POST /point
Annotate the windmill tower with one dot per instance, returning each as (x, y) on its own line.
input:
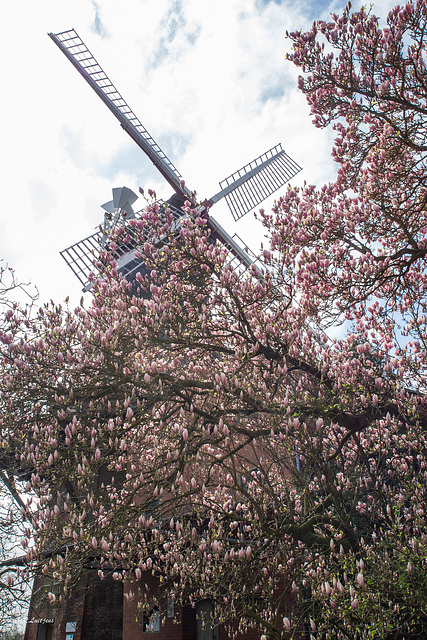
(103, 616)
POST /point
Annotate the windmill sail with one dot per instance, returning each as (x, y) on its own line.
(79, 55)
(252, 184)
(82, 256)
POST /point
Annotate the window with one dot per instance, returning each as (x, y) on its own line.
(50, 585)
(171, 607)
(151, 620)
(206, 625)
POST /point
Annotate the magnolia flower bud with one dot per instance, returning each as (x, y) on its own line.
(287, 624)
(360, 580)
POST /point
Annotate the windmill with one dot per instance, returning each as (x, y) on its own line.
(103, 612)
(243, 190)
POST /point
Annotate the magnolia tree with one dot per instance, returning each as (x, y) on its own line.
(198, 424)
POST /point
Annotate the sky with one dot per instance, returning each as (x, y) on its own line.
(207, 78)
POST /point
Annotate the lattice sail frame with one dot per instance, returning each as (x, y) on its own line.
(73, 47)
(82, 256)
(255, 182)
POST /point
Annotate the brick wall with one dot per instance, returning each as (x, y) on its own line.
(96, 605)
(41, 612)
(108, 610)
(181, 627)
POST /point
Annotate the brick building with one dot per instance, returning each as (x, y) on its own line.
(101, 610)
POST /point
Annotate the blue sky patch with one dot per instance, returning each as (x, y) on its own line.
(273, 92)
(97, 25)
(313, 9)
